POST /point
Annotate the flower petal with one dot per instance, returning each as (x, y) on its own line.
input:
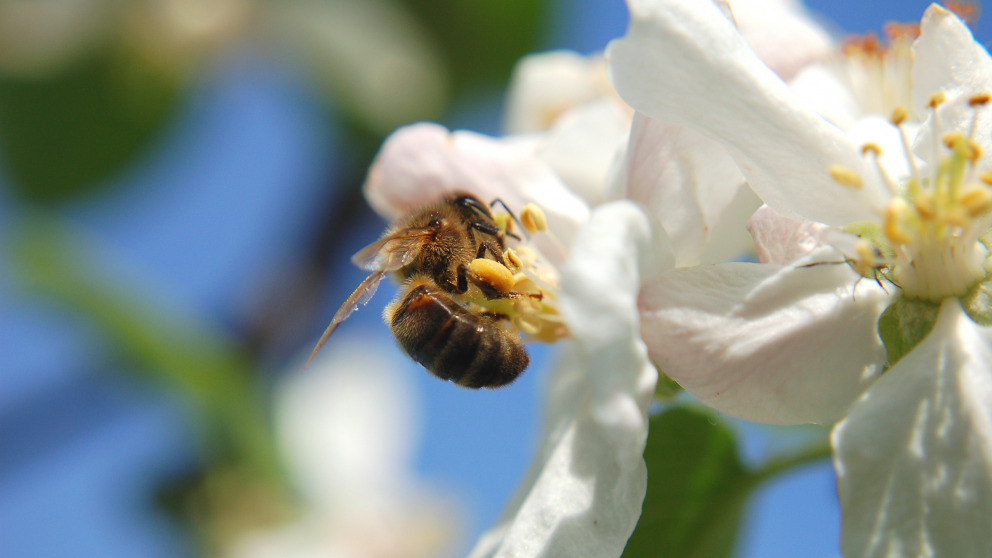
(767, 343)
(583, 145)
(685, 63)
(545, 85)
(782, 34)
(421, 163)
(347, 426)
(948, 59)
(687, 181)
(914, 456)
(583, 495)
(781, 240)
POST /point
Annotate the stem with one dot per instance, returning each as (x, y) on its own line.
(777, 465)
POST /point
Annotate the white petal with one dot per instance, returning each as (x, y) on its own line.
(819, 87)
(782, 34)
(764, 342)
(584, 143)
(947, 59)
(545, 85)
(687, 181)
(685, 63)
(914, 457)
(421, 163)
(583, 495)
(347, 426)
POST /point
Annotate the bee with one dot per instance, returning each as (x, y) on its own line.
(430, 251)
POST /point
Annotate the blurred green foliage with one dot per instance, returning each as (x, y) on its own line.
(171, 346)
(63, 136)
(65, 132)
(698, 487)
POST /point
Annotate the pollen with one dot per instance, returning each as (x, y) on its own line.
(492, 273)
(527, 284)
(513, 261)
(933, 225)
(533, 219)
(846, 176)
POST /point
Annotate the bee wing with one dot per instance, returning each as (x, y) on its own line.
(392, 252)
(359, 297)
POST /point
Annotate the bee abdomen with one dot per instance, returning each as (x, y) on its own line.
(455, 344)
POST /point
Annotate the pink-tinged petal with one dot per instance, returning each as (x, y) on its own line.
(687, 181)
(780, 240)
(421, 163)
(947, 59)
(914, 456)
(583, 494)
(685, 63)
(764, 342)
(782, 34)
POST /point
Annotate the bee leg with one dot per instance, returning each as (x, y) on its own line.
(465, 275)
(493, 249)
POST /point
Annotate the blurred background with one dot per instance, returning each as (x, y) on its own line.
(179, 197)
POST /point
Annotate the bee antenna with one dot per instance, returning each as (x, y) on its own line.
(510, 213)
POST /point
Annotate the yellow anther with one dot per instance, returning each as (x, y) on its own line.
(504, 222)
(951, 139)
(979, 99)
(976, 201)
(895, 220)
(872, 149)
(533, 219)
(957, 217)
(899, 115)
(845, 176)
(512, 260)
(492, 273)
(925, 205)
(986, 177)
(936, 99)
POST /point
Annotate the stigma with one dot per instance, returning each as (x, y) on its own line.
(936, 224)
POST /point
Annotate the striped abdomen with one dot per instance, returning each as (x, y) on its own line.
(455, 344)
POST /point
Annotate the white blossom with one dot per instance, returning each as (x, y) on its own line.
(583, 493)
(795, 338)
(347, 430)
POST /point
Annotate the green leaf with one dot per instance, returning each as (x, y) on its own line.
(978, 303)
(667, 389)
(62, 136)
(170, 345)
(904, 324)
(482, 40)
(697, 488)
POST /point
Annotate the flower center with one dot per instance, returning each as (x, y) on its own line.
(932, 243)
(527, 283)
(879, 72)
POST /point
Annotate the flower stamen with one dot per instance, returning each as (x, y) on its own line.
(931, 228)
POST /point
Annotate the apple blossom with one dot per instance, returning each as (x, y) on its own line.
(346, 429)
(800, 337)
(583, 493)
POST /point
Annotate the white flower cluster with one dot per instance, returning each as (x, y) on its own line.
(870, 302)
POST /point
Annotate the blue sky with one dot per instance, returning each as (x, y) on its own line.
(224, 199)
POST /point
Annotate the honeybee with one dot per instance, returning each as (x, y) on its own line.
(430, 252)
